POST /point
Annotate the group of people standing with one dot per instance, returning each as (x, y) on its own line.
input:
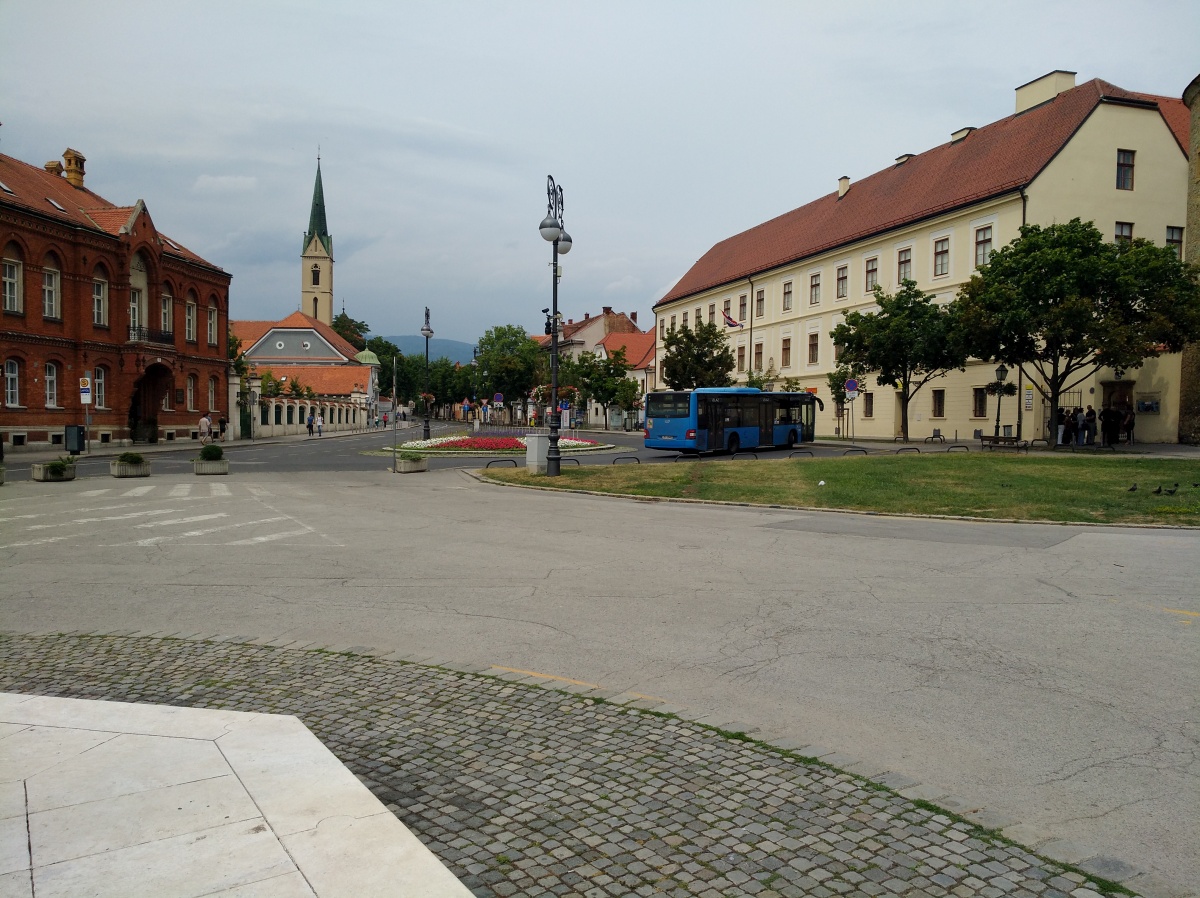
(1079, 427)
(210, 432)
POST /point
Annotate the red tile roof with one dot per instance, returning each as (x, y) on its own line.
(990, 161)
(639, 348)
(250, 332)
(33, 188)
(326, 380)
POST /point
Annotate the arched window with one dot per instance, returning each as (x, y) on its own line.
(316, 275)
(51, 385)
(10, 279)
(212, 394)
(314, 307)
(291, 412)
(191, 392)
(12, 383)
(100, 387)
(51, 289)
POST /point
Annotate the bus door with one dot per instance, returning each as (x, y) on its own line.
(766, 420)
(808, 418)
(716, 423)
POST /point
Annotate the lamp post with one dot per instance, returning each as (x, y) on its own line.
(1001, 376)
(426, 332)
(553, 231)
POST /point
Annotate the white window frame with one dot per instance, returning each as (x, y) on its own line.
(100, 387)
(166, 313)
(189, 323)
(135, 308)
(12, 383)
(191, 393)
(10, 276)
(52, 385)
(100, 302)
(212, 394)
(51, 294)
(787, 296)
(212, 325)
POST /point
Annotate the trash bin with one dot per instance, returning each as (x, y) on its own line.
(73, 438)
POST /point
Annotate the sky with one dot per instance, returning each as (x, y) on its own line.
(670, 126)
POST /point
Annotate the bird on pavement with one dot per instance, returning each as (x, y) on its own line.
(1171, 491)
(1132, 489)
(1157, 490)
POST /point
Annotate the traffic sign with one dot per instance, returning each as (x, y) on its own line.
(85, 390)
(851, 395)
(851, 385)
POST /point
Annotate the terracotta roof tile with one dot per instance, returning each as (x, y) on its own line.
(1176, 115)
(990, 161)
(639, 347)
(250, 332)
(326, 380)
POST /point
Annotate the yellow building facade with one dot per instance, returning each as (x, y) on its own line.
(1094, 152)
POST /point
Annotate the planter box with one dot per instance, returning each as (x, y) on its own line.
(413, 467)
(43, 473)
(220, 466)
(123, 469)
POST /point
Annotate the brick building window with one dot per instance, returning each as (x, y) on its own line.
(904, 265)
(787, 296)
(843, 281)
(189, 323)
(871, 275)
(939, 404)
(212, 394)
(814, 289)
(100, 302)
(785, 353)
(979, 402)
(191, 392)
(814, 348)
(51, 385)
(1124, 231)
(941, 257)
(12, 383)
(983, 245)
(868, 405)
(100, 387)
(1175, 241)
(167, 312)
(1124, 169)
(10, 283)
(212, 325)
(741, 358)
(51, 293)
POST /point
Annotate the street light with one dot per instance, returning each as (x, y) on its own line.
(475, 382)
(426, 332)
(1001, 376)
(553, 231)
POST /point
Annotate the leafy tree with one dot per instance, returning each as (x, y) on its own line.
(629, 396)
(241, 366)
(908, 342)
(387, 351)
(511, 359)
(698, 356)
(837, 382)
(601, 376)
(1065, 303)
(353, 332)
(296, 388)
(758, 379)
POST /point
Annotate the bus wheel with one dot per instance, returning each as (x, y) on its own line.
(791, 440)
(734, 444)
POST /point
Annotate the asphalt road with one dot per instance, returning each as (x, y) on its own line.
(1047, 673)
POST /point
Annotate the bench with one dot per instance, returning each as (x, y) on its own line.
(994, 442)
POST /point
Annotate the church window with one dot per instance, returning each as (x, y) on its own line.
(316, 275)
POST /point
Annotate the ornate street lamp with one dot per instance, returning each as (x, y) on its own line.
(553, 231)
(1001, 376)
(426, 332)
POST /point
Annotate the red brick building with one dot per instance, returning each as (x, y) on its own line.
(92, 289)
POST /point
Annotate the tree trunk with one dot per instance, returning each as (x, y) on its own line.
(904, 400)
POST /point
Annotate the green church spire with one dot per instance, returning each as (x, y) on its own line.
(316, 218)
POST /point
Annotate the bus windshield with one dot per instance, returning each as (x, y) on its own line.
(668, 405)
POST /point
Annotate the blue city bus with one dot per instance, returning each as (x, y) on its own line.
(726, 419)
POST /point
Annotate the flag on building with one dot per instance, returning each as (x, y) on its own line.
(729, 322)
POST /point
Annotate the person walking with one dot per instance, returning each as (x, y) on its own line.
(205, 429)
(320, 424)
(1127, 423)
(310, 422)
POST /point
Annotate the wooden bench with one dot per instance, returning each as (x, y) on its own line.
(993, 442)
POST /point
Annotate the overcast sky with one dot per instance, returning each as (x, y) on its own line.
(670, 126)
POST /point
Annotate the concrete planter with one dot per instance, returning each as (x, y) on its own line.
(45, 474)
(220, 466)
(122, 469)
(413, 467)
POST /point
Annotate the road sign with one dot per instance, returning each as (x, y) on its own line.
(85, 390)
(851, 385)
(851, 395)
(498, 399)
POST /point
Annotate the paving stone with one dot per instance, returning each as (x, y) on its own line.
(528, 790)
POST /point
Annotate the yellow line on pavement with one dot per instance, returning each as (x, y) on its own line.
(545, 676)
(1177, 611)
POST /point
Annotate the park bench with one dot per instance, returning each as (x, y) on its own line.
(993, 442)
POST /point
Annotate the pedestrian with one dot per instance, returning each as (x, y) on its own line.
(1061, 422)
(403, 415)
(1068, 427)
(205, 428)
(310, 422)
(320, 424)
(1080, 426)
(1090, 419)
(1110, 426)
(1127, 423)
(385, 414)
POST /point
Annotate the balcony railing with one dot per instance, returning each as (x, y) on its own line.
(149, 335)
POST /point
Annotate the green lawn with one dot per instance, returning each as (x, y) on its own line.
(1036, 487)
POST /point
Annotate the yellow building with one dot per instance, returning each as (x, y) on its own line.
(1095, 152)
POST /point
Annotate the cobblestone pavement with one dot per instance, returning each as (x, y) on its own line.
(523, 790)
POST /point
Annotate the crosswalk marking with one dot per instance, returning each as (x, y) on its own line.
(34, 542)
(180, 490)
(194, 518)
(137, 491)
(191, 534)
(219, 490)
(96, 492)
(111, 517)
(270, 537)
(258, 492)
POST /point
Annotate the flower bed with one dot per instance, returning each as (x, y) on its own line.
(490, 444)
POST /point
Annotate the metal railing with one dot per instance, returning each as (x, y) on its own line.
(149, 335)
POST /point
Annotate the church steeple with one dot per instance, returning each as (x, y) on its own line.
(316, 260)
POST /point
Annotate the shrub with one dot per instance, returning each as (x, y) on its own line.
(211, 452)
(131, 458)
(411, 456)
(59, 466)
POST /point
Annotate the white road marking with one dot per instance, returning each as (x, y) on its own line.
(113, 517)
(34, 542)
(258, 492)
(271, 537)
(23, 517)
(180, 490)
(199, 517)
(155, 540)
(96, 492)
(137, 491)
(220, 489)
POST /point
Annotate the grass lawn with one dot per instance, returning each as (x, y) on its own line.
(1037, 487)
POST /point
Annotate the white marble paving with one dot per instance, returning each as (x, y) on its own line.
(119, 799)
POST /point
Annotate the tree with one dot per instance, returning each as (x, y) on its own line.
(510, 359)
(1065, 303)
(353, 332)
(628, 397)
(908, 342)
(697, 357)
(601, 377)
(388, 354)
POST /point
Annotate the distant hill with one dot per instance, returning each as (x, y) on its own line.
(454, 350)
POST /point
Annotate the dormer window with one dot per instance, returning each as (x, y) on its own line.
(316, 275)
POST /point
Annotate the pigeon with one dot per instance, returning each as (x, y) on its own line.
(1157, 490)
(1171, 491)
(1132, 489)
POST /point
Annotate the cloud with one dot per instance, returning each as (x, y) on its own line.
(224, 184)
(626, 284)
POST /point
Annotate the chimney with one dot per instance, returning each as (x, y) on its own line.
(54, 167)
(843, 185)
(608, 310)
(633, 317)
(1040, 90)
(903, 157)
(570, 321)
(587, 315)
(74, 160)
(961, 133)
